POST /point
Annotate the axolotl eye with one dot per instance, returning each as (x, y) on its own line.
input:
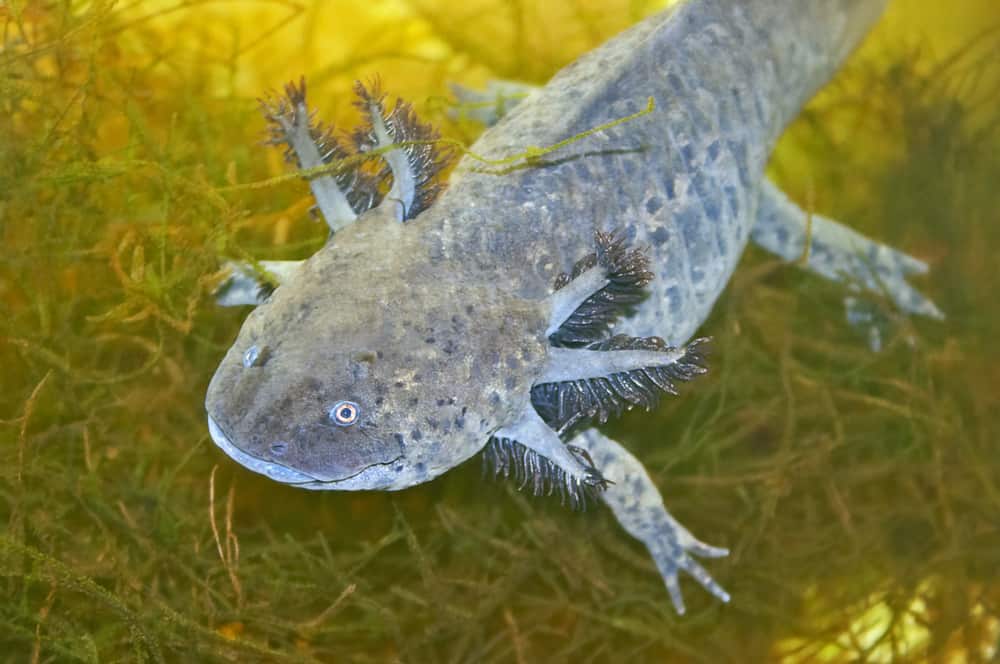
(345, 413)
(255, 356)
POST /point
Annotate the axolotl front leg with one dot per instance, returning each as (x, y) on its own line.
(589, 375)
(638, 506)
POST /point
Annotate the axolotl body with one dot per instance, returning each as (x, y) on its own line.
(515, 310)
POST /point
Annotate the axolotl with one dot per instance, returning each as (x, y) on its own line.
(509, 312)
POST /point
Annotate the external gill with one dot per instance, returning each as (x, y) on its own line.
(591, 375)
(593, 294)
(368, 160)
(606, 378)
(588, 375)
(536, 456)
(341, 197)
(587, 379)
(415, 164)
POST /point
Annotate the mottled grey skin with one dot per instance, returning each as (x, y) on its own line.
(727, 77)
(367, 322)
(437, 327)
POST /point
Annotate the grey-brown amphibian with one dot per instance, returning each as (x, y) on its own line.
(511, 312)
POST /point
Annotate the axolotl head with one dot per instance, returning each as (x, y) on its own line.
(364, 372)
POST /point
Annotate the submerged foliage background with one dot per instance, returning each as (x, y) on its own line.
(859, 491)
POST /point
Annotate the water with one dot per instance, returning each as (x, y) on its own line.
(859, 491)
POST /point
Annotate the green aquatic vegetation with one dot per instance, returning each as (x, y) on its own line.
(859, 492)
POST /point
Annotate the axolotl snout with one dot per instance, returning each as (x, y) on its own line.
(512, 311)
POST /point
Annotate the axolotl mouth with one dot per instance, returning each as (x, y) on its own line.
(375, 476)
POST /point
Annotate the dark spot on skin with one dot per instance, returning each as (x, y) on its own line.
(379, 401)
(399, 439)
(449, 347)
(417, 378)
(732, 196)
(674, 301)
(739, 152)
(378, 354)
(653, 204)
(495, 398)
(465, 409)
(709, 199)
(687, 151)
(366, 356)
(419, 467)
(459, 422)
(399, 383)
(414, 401)
(430, 340)
(469, 309)
(277, 449)
(713, 150)
(432, 423)
(440, 402)
(675, 82)
(668, 187)
(660, 236)
(451, 401)
(416, 434)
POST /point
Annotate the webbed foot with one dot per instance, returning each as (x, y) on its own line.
(246, 285)
(837, 252)
(638, 506)
(589, 374)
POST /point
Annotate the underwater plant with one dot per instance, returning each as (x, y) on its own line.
(856, 491)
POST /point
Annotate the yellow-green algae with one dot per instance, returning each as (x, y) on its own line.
(859, 492)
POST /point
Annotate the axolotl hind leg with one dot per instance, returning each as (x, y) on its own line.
(837, 252)
(391, 146)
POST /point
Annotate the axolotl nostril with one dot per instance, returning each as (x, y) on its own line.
(510, 312)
